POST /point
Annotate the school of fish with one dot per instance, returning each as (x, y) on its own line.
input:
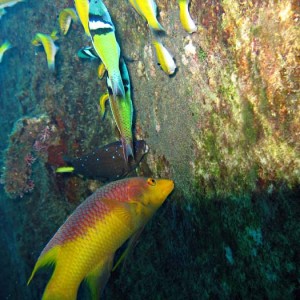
(84, 247)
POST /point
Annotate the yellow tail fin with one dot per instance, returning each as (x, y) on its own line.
(47, 259)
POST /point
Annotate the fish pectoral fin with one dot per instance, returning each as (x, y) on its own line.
(102, 102)
(98, 277)
(49, 258)
(54, 35)
(123, 212)
(130, 246)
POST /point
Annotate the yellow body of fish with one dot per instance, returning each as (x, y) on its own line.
(84, 246)
(185, 18)
(50, 48)
(8, 3)
(148, 10)
(65, 17)
(82, 8)
(165, 60)
(3, 48)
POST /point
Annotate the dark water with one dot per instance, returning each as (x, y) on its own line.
(242, 246)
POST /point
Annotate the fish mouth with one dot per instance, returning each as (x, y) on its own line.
(167, 186)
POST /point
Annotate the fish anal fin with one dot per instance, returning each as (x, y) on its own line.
(98, 277)
(130, 245)
(47, 259)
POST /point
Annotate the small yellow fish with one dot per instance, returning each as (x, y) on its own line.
(185, 18)
(65, 18)
(101, 70)
(148, 10)
(8, 3)
(84, 246)
(82, 8)
(50, 48)
(3, 48)
(165, 60)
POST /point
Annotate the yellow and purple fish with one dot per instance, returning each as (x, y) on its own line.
(148, 10)
(84, 246)
(105, 163)
(185, 17)
(8, 3)
(66, 16)
(3, 48)
(50, 48)
(105, 43)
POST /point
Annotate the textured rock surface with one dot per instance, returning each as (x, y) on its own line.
(226, 128)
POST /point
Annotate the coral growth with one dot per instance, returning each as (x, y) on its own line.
(28, 142)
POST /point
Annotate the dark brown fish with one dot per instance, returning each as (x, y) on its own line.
(106, 163)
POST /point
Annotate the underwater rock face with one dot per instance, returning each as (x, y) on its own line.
(227, 125)
(229, 120)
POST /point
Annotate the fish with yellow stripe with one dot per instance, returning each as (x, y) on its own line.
(187, 22)
(66, 16)
(105, 44)
(122, 110)
(49, 46)
(84, 246)
(82, 8)
(164, 58)
(3, 48)
(148, 10)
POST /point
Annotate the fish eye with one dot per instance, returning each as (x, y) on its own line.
(151, 181)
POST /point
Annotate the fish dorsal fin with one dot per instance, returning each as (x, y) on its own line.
(47, 259)
(131, 244)
(98, 277)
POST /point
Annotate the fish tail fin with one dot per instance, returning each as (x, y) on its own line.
(98, 277)
(66, 169)
(51, 66)
(7, 45)
(117, 86)
(51, 63)
(127, 149)
(46, 259)
(156, 26)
